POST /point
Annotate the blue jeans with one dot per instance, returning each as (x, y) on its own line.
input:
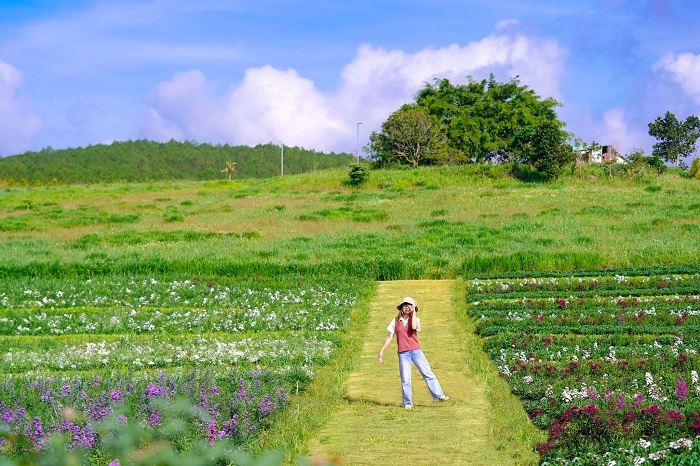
(418, 358)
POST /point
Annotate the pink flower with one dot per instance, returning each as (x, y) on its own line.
(681, 389)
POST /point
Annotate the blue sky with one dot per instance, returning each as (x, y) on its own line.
(305, 72)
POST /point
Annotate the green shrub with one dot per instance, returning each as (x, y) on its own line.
(359, 174)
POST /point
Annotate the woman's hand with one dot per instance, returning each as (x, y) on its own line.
(379, 358)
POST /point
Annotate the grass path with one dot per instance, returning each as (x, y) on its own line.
(372, 428)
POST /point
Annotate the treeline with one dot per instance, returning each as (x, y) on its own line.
(144, 160)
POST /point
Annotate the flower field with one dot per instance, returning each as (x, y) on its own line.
(608, 365)
(75, 351)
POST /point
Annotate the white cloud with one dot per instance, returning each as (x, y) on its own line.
(270, 105)
(615, 130)
(18, 125)
(506, 23)
(684, 69)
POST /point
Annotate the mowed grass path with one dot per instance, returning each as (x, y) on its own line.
(372, 428)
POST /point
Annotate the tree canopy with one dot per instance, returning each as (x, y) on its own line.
(676, 138)
(479, 121)
(409, 135)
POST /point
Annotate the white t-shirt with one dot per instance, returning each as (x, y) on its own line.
(392, 325)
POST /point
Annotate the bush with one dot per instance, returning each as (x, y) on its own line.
(358, 174)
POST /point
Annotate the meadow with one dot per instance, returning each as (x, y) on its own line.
(241, 295)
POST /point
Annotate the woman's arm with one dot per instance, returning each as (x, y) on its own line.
(386, 343)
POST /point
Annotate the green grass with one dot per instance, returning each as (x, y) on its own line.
(426, 223)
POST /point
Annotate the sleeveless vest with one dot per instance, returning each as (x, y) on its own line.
(406, 337)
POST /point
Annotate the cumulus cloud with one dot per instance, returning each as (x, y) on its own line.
(271, 105)
(684, 69)
(18, 125)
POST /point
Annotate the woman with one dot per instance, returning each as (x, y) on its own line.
(406, 326)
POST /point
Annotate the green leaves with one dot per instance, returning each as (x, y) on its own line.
(676, 138)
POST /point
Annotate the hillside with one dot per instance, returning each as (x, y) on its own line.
(144, 160)
(434, 222)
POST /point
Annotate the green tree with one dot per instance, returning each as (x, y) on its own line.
(487, 119)
(408, 136)
(676, 138)
(695, 168)
(549, 152)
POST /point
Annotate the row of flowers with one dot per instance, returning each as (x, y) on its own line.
(648, 316)
(576, 284)
(235, 407)
(585, 303)
(31, 354)
(599, 372)
(135, 293)
(512, 349)
(167, 320)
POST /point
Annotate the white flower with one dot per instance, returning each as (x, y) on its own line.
(681, 443)
(644, 443)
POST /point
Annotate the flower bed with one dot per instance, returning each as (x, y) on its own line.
(608, 365)
(73, 352)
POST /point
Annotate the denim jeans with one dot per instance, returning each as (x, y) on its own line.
(418, 358)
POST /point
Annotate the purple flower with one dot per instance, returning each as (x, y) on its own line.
(9, 416)
(115, 394)
(620, 403)
(213, 434)
(154, 419)
(154, 391)
(681, 389)
(638, 401)
(123, 419)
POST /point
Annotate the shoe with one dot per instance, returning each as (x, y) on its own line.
(408, 406)
(443, 398)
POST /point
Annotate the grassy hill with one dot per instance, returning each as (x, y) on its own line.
(404, 224)
(144, 160)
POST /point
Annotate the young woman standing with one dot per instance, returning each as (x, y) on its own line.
(406, 326)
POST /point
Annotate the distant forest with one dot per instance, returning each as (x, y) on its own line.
(144, 160)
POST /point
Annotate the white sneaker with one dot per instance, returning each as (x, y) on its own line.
(408, 406)
(443, 398)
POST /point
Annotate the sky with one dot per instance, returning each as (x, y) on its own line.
(306, 72)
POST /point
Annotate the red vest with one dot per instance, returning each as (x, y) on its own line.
(406, 337)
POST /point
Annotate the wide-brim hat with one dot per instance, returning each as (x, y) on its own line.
(406, 300)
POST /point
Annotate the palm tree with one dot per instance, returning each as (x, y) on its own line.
(230, 169)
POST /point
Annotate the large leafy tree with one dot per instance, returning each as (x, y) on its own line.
(485, 118)
(409, 136)
(676, 138)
